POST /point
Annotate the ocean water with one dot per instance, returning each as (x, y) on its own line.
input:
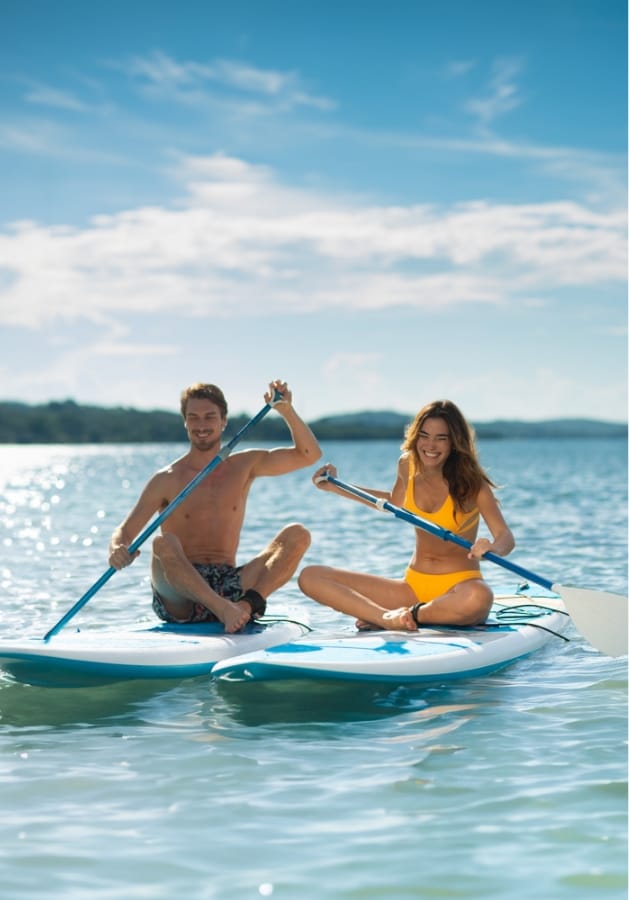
(508, 786)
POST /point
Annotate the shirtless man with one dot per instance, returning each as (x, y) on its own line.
(193, 568)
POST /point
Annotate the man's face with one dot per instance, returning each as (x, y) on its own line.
(204, 423)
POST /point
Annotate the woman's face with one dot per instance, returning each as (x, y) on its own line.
(434, 443)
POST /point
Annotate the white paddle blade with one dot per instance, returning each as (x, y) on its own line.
(599, 616)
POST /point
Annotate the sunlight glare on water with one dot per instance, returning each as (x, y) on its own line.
(507, 786)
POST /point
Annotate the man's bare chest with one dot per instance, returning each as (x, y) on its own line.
(218, 492)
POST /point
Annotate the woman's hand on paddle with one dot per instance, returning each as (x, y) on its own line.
(479, 548)
(319, 480)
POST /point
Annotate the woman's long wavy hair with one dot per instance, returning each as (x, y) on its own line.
(462, 469)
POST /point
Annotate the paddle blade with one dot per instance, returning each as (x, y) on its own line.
(599, 616)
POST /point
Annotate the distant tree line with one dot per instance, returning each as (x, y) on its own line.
(67, 422)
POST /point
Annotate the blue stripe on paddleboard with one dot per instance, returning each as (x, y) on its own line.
(382, 642)
(261, 671)
(396, 657)
(359, 645)
(56, 672)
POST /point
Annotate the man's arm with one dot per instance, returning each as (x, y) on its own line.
(147, 505)
(305, 450)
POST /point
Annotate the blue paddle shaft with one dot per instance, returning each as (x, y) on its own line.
(154, 525)
(443, 533)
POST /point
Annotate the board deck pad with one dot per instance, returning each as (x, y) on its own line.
(161, 651)
(517, 626)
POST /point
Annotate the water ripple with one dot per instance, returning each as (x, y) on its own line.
(486, 788)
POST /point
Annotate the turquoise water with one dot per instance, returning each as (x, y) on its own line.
(509, 786)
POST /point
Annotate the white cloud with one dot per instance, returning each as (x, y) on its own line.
(354, 365)
(503, 93)
(32, 137)
(44, 95)
(537, 392)
(457, 68)
(161, 75)
(238, 238)
(52, 141)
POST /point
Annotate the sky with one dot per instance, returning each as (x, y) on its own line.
(382, 203)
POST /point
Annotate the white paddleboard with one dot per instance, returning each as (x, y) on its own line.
(75, 658)
(517, 626)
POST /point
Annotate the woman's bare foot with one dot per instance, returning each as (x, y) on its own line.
(363, 625)
(399, 620)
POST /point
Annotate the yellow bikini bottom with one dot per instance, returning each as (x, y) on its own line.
(426, 587)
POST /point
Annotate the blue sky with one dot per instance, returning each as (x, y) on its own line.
(383, 203)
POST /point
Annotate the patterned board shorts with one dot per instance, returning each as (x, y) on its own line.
(223, 579)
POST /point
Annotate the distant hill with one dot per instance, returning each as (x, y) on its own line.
(384, 424)
(366, 425)
(557, 428)
(67, 422)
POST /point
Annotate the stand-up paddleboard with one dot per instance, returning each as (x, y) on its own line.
(92, 657)
(517, 626)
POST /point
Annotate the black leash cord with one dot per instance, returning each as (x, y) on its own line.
(512, 615)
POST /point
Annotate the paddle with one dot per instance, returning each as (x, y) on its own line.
(154, 525)
(599, 616)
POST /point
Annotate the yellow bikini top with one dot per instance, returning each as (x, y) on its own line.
(443, 517)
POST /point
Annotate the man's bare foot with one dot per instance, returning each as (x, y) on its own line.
(237, 615)
(399, 620)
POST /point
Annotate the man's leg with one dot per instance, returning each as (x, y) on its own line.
(179, 585)
(277, 563)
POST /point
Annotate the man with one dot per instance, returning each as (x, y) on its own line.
(193, 569)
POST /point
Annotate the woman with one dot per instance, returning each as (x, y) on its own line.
(440, 479)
